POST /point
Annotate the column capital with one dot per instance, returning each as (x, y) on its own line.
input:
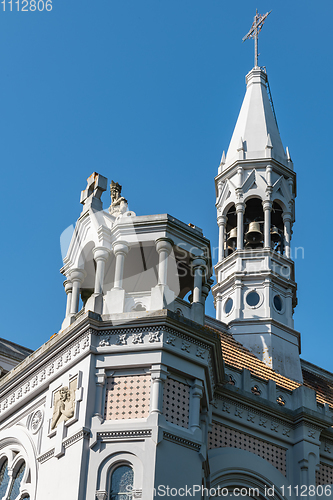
(68, 285)
(164, 245)
(267, 204)
(101, 253)
(198, 262)
(159, 372)
(221, 220)
(77, 275)
(197, 389)
(120, 247)
(286, 216)
(206, 288)
(240, 207)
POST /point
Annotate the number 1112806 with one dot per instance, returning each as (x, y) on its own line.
(26, 5)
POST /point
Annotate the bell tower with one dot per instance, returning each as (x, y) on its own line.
(256, 187)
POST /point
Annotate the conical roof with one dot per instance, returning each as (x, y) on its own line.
(256, 134)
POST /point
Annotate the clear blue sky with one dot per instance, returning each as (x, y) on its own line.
(147, 92)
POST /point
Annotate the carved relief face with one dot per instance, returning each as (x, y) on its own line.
(64, 394)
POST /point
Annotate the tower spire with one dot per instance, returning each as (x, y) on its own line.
(256, 27)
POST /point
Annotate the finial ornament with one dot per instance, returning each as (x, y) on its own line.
(254, 32)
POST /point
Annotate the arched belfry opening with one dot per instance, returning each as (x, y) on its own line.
(253, 224)
(231, 228)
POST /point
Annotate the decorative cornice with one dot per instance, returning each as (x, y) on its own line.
(48, 371)
(182, 441)
(114, 435)
(82, 434)
(46, 456)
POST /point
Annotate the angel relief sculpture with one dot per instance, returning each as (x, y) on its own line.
(63, 404)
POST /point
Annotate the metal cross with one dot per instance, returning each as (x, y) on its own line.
(254, 32)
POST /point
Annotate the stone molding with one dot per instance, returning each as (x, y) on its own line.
(251, 417)
(107, 436)
(182, 441)
(49, 371)
(168, 337)
(46, 456)
(83, 433)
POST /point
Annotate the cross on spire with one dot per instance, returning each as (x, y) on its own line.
(254, 32)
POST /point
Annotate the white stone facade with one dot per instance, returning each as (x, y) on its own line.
(134, 391)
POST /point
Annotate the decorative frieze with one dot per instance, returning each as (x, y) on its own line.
(253, 416)
(114, 435)
(182, 441)
(51, 370)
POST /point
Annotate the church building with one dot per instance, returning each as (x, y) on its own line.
(142, 395)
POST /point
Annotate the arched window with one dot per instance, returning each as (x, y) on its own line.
(121, 483)
(4, 478)
(16, 483)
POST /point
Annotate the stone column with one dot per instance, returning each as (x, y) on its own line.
(199, 268)
(120, 250)
(68, 289)
(240, 209)
(101, 255)
(287, 232)
(100, 382)
(158, 375)
(195, 405)
(267, 206)
(161, 295)
(221, 221)
(77, 276)
(218, 306)
(205, 290)
(163, 248)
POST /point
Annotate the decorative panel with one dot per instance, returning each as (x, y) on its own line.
(324, 475)
(127, 397)
(225, 437)
(176, 402)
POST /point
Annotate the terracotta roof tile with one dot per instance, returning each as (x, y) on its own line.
(237, 356)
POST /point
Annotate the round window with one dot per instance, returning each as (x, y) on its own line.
(228, 306)
(278, 303)
(252, 299)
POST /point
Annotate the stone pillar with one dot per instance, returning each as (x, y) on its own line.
(158, 375)
(195, 405)
(120, 250)
(77, 276)
(163, 248)
(238, 298)
(221, 221)
(114, 300)
(198, 310)
(240, 209)
(100, 382)
(287, 232)
(205, 290)
(68, 289)
(218, 306)
(267, 206)
(101, 255)
(161, 296)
